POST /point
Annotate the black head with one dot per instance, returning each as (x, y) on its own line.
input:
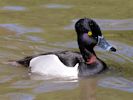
(89, 35)
(89, 26)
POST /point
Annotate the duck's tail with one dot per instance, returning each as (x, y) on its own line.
(25, 62)
(12, 62)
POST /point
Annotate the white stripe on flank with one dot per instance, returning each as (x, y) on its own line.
(51, 65)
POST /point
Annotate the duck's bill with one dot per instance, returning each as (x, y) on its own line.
(104, 44)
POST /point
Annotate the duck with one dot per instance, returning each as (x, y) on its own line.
(73, 64)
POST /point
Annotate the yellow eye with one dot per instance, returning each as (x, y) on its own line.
(90, 33)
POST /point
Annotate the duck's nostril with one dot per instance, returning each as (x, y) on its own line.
(112, 49)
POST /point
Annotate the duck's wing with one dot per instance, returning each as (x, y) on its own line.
(68, 58)
(26, 61)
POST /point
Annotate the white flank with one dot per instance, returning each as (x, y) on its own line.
(52, 66)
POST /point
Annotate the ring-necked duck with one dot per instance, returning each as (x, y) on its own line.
(70, 63)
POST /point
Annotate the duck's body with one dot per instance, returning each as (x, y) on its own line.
(52, 66)
(59, 64)
(69, 63)
(63, 64)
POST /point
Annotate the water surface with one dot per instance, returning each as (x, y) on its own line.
(33, 27)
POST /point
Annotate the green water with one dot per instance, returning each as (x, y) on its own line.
(29, 27)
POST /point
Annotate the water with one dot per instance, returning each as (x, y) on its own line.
(20, 29)
(58, 6)
(109, 24)
(13, 8)
(33, 27)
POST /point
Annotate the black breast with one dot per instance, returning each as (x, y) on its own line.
(86, 70)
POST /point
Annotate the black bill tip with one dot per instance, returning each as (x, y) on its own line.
(112, 49)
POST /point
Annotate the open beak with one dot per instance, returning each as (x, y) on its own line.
(104, 44)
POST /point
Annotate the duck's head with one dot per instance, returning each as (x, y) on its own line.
(90, 35)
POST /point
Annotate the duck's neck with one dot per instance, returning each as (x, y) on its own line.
(86, 47)
(88, 54)
(86, 70)
(92, 64)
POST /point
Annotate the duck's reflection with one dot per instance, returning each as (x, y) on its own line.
(88, 88)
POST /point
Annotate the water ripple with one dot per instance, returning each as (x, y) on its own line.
(54, 86)
(117, 83)
(20, 96)
(108, 24)
(24, 84)
(6, 78)
(19, 29)
(35, 39)
(58, 6)
(14, 8)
